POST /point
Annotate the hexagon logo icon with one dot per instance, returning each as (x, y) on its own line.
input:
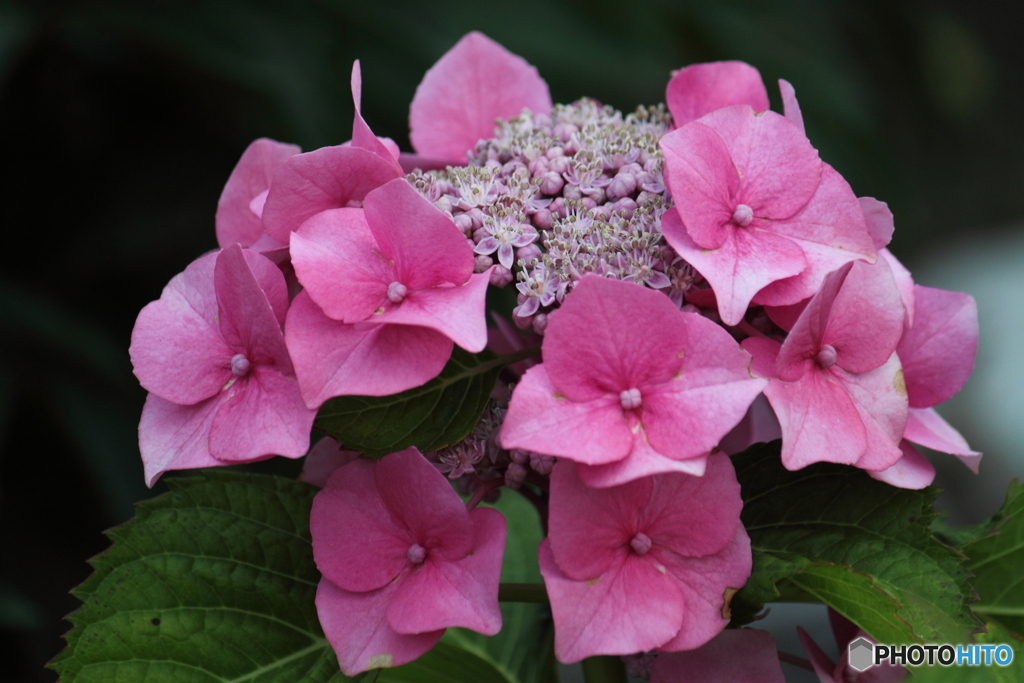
(862, 654)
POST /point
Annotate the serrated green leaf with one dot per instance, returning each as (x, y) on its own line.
(523, 651)
(997, 635)
(996, 558)
(211, 582)
(829, 514)
(445, 663)
(438, 414)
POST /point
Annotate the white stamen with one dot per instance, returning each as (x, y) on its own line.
(742, 215)
(240, 365)
(826, 356)
(397, 292)
(416, 554)
(631, 398)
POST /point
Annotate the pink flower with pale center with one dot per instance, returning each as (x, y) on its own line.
(836, 383)
(629, 386)
(402, 560)
(647, 565)
(211, 353)
(388, 288)
(742, 655)
(754, 205)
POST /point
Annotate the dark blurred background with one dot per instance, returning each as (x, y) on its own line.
(120, 122)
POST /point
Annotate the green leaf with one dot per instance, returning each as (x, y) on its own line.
(438, 414)
(996, 558)
(997, 635)
(523, 651)
(445, 663)
(862, 546)
(211, 582)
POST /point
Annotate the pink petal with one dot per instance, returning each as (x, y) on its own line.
(806, 335)
(938, 351)
(702, 88)
(879, 220)
(177, 350)
(456, 312)
(904, 283)
(357, 629)
(427, 247)
(541, 419)
(880, 397)
(738, 656)
(818, 418)
(642, 461)
(236, 220)
(261, 415)
(610, 336)
(632, 607)
(327, 178)
(704, 582)
(356, 543)
(338, 262)
(926, 427)
(912, 471)
(362, 136)
(474, 83)
(866, 321)
(786, 316)
(462, 593)
(823, 666)
(325, 457)
(744, 264)
(790, 107)
(759, 425)
(174, 437)
(335, 359)
(420, 499)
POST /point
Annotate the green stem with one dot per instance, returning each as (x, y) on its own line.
(604, 669)
(522, 592)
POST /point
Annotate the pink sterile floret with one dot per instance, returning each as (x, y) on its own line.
(211, 353)
(325, 457)
(629, 386)
(845, 632)
(742, 655)
(474, 83)
(402, 560)
(700, 89)
(836, 384)
(647, 565)
(240, 208)
(754, 205)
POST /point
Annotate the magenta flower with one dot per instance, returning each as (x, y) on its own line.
(845, 632)
(211, 353)
(402, 560)
(388, 288)
(700, 89)
(742, 655)
(629, 386)
(836, 383)
(240, 208)
(474, 83)
(647, 565)
(754, 206)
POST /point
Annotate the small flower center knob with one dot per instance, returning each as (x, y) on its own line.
(640, 544)
(417, 553)
(631, 398)
(397, 292)
(240, 365)
(742, 215)
(826, 356)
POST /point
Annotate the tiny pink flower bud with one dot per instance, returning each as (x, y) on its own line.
(540, 323)
(565, 131)
(558, 206)
(542, 219)
(623, 185)
(482, 263)
(418, 553)
(397, 292)
(520, 456)
(555, 152)
(444, 204)
(528, 253)
(589, 203)
(240, 365)
(522, 322)
(596, 196)
(572, 192)
(561, 164)
(477, 215)
(625, 205)
(539, 166)
(542, 464)
(826, 356)
(465, 222)
(603, 212)
(631, 399)
(640, 544)
(552, 183)
(480, 234)
(743, 215)
(515, 475)
(501, 276)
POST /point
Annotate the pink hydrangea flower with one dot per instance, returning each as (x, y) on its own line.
(629, 386)
(211, 353)
(325, 457)
(647, 565)
(474, 83)
(388, 288)
(700, 89)
(402, 560)
(742, 655)
(845, 633)
(836, 383)
(756, 206)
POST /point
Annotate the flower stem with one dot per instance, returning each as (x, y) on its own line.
(482, 490)
(795, 661)
(604, 669)
(522, 592)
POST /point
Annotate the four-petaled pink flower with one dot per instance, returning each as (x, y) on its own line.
(836, 383)
(647, 565)
(211, 353)
(388, 288)
(402, 560)
(629, 386)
